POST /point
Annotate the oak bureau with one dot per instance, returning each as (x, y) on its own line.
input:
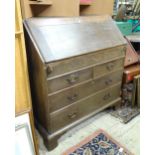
(75, 67)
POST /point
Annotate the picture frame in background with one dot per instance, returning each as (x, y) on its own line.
(23, 140)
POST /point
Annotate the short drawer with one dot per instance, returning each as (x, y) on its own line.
(83, 75)
(102, 69)
(71, 95)
(84, 107)
(80, 62)
(69, 80)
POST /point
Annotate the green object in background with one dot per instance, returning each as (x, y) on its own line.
(125, 27)
(134, 22)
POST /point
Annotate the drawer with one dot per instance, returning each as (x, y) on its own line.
(69, 80)
(83, 75)
(84, 107)
(102, 69)
(73, 94)
(80, 62)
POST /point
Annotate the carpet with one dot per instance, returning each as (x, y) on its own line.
(125, 114)
(99, 143)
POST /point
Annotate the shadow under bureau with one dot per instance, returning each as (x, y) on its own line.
(75, 67)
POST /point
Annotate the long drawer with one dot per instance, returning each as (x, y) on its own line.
(83, 107)
(83, 75)
(73, 94)
(79, 62)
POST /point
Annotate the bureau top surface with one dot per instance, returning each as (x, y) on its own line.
(61, 38)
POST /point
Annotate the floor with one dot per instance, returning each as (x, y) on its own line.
(126, 134)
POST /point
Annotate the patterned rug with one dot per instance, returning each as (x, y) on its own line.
(99, 143)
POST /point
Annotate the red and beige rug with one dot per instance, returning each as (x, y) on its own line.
(99, 143)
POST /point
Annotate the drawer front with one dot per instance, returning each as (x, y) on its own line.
(69, 80)
(84, 107)
(83, 75)
(79, 62)
(71, 95)
(102, 69)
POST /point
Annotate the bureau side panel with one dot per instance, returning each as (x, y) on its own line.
(38, 83)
